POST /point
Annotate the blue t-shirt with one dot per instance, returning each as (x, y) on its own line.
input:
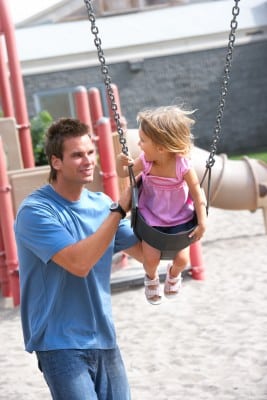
(58, 309)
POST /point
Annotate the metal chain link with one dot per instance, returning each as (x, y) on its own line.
(224, 89)
(105, 73)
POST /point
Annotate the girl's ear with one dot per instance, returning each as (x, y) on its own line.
(161, 149)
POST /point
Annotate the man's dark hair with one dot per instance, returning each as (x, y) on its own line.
(57, 133)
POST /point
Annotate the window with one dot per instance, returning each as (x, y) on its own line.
(106, 7)
(61, 102)
(58, 103)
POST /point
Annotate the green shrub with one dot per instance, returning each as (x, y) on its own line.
(39, 125)
(258, 156)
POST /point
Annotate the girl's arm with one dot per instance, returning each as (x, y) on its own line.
(123, 162)
(199, 203)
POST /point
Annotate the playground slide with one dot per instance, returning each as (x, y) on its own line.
(235, 184)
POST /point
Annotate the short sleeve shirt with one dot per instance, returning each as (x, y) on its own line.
(58, 309)
(165, 201)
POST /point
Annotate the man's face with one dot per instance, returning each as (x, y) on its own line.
(78, 163)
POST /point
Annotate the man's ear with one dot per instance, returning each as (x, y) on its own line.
(56, 162)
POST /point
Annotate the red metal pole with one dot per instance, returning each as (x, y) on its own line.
(17, 86)
(7, 221)
(5, 89)
(107, 159)
(197, 265)
(4, 281)
(102, 128)
(82, 106)
(95, 105)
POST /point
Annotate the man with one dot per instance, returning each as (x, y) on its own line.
(66, 237)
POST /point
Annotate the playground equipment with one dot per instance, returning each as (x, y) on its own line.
(12, 90)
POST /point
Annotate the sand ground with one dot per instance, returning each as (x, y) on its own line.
(210, 343)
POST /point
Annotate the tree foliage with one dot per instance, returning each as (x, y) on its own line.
(39, 125)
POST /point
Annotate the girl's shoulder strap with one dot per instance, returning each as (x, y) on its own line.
(183, 165)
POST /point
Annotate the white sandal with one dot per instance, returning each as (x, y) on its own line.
(172, 285)
(152, 294)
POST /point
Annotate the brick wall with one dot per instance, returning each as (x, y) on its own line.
(190, 78)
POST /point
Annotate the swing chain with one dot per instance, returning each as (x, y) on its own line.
(224, 89)
(105, 73)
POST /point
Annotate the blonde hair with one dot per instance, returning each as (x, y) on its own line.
(169, 127)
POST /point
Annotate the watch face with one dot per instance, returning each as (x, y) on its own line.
(114, 206)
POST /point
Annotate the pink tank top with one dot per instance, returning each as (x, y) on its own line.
(165, 201)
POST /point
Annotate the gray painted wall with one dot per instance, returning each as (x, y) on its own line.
(190, 78)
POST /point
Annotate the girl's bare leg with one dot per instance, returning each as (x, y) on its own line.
(180, 262)
(151, 260)
(173, 279)
(152, 284)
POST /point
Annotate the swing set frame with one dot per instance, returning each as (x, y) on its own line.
(168, 244)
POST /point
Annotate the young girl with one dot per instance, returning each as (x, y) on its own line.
(170, 190)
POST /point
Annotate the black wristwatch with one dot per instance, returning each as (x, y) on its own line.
(116, 207)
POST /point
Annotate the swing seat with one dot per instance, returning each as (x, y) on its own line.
(168, 243)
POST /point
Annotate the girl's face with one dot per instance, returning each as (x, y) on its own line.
(147, 146)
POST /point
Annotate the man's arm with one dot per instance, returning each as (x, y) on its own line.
(79, 258)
